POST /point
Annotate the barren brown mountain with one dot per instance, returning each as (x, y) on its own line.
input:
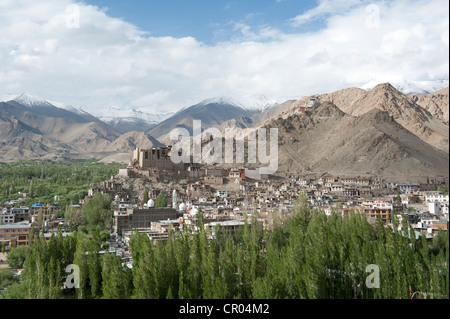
(436, 103)
(351, 131)
(41, 130)
(329, 140)
(385, 97)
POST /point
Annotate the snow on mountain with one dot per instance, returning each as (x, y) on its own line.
(248, 102)
(114, 114)
(262, 102)
(220, 100)
(411, 87)
(25, 99)
(72, 109)
(33, 101)
(29, 100)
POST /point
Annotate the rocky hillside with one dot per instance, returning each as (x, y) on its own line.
(330, 140)
(436, 103)
(32, 128)
(405, 111)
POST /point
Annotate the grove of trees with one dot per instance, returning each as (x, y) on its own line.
(307, 256)
(43, 180)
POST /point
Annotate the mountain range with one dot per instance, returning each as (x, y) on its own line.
(31, 127)
(380, 130)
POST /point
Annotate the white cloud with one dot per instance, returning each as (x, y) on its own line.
(108, 61)
(324, 8)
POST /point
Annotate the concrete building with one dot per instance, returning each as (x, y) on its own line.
(224, 226)
(408, 188)
(435, 208)
(19, 214)
(140, 218)
(436, 197)
(222, 193)
(15, 234)
(384, 213)
(6, 217)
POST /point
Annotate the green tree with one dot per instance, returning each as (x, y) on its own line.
(15, 291)
(81, 257)
(116, 278)
(144, 280)
(146, 198)
(7, 278)
(95, 265)
(97, 213)
(161, 201)
(17, 256)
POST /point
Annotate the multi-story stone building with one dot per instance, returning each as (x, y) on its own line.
(158, 157)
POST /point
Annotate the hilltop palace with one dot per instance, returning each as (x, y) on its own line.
(156, 164)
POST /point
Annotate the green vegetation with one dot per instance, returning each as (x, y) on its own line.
(146, 198)
(309, 255)
(7, 278)
(96, 213)
(161, 201)
(17, 256)
(43, 180)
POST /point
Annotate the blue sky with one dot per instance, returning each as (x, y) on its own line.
(207, 21)
(160, 56)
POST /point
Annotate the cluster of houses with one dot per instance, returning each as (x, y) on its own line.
(225, 199)
(16, 222)
(227, 209)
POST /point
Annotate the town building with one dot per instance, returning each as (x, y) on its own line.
(140, 218)
(15, 234)
(435, 196)
(6, 217)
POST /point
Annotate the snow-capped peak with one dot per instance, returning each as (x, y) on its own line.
(114, 114)
(411, 87)
(24, 99)
(220, 100)
(31, 100)
(262, 102)
(249, 102)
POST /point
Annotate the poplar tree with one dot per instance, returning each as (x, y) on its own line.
(81, 260)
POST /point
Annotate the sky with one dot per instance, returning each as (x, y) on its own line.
(160, 56)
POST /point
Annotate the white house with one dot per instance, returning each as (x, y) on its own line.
(222, 194)
(435, 208)
(436, 197)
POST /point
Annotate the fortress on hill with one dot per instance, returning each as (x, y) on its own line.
(158, 158)
(156, 164)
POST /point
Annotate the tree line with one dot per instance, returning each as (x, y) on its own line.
(307, 255)
(45, 179)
